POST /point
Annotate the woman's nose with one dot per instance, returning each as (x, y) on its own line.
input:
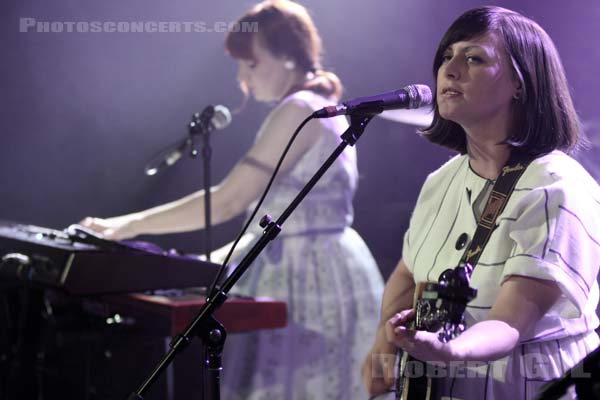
(240, 74)
(452, 68)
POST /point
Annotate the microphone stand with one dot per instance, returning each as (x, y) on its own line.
(585, 376)
(201, 125)
(204, 325)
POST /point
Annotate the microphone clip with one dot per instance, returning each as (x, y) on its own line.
(201, 122)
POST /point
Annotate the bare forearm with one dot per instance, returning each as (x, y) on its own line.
(188, 214)
(522, 302)
(398, 292)
(378, 367)
(485, 341)
(185, 214)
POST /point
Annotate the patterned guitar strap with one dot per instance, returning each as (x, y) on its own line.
(503, 188)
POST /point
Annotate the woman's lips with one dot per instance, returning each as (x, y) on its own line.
(450, 92)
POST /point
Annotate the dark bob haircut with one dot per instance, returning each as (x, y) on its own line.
(544, 115)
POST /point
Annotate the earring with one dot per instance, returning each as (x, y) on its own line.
(518, 92)
(289, 65)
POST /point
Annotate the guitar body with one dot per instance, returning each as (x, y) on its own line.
(413, 382)
(439, 307)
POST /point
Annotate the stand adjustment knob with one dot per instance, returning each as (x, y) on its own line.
(215, 335)
(265, 220)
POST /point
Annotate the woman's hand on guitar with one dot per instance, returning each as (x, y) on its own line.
(378, 368)
(422, 345)
(117, 228)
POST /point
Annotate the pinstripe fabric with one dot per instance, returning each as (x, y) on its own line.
(550, 229)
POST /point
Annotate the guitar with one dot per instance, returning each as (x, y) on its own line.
(439, 308)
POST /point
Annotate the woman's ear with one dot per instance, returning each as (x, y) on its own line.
(518, 90)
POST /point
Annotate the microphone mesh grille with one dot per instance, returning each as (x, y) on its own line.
(221, 117)
(419, 95)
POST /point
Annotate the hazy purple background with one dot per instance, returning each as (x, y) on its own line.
(81, 113)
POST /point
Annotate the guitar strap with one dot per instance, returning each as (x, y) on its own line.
(503, 188)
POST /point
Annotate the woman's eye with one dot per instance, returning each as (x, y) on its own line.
(446, 58)
(474, 59)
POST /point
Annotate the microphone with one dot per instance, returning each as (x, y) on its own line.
(217, 117)
(411, 96)
(211, 118)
